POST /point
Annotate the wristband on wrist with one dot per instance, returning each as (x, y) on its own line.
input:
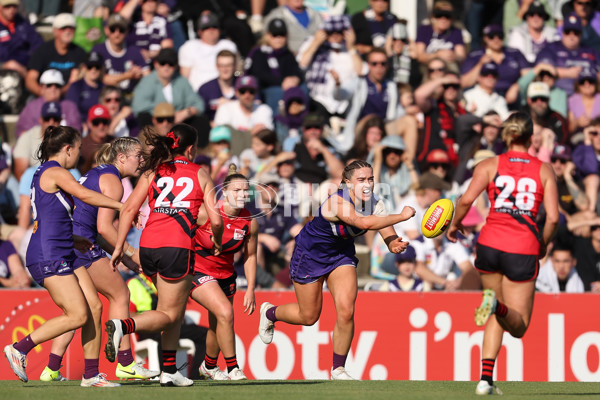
(130, 251)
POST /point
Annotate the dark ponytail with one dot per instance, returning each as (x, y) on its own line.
(54, 139)
(165, 148)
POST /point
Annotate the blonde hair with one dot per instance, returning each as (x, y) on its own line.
(517, 129)
(232, 173)
(108, 152)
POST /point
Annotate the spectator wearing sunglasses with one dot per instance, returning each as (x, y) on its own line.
(587, 11)
(86, 91)
(574, 203)
(273, 65)
(372, 25)
(538, 107)
(585, 157)
(483, 97)
(51, 84)
(511, 64)
(332, 66)
(546, 73)
(439, 38)
(163, 119)
(534, 33)
(584, 104)
(568, 55)
(98, 121)
(245, 114)
(165, 84)
(124, 65)
(25, 150)
(123, 122)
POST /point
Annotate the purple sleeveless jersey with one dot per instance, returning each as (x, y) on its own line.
(322, 245)
(52, 238)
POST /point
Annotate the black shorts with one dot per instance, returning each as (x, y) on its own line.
(227, 284)
(516, 267)
(171, 263)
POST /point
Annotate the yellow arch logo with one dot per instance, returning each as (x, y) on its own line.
(21, 331)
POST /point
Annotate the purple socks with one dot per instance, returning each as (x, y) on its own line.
(25, 345)
(91, 368)
(125, 357)
(339, 360)
(54, 362)
(271, 314)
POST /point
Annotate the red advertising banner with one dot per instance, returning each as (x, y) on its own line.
(400, 336)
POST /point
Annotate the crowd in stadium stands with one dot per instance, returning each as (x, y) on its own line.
(292, 90)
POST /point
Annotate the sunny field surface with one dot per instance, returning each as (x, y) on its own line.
(296, 390)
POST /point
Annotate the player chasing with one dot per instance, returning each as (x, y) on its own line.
(214, 275)
(50, 255)
(321, 256)
(510, 245)
(176, 189)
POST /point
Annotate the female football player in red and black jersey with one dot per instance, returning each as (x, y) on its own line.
(510, 243)
(214, 276)
(176, 188)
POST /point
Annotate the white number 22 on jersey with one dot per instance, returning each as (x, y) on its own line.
(525, 196)
(167, 183)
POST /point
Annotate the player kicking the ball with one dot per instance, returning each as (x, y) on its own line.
(325, 252)
(509, 246)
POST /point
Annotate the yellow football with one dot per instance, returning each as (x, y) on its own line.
(437, 218)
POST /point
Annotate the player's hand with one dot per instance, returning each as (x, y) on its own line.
(408, 212)
(117, 256)
(249, 302)
(137, 220)
(452, 232)
(217, 247)
(397, 245)
(82, 244)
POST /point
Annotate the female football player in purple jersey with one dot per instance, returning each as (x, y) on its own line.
(50, 254)
(325, 252)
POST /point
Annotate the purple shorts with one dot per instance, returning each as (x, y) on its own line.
(89, 257)
(304, 269)
(46, 269)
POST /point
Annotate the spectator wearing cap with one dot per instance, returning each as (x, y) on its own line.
(584, 104)
(372, 25)
(534, 33)
(407, 280)
(164, 84)
(404, 66)
(245, 114)
(123, 122)
(301, 22)
(219, 150)
(163, 117)
(85, 92)
(19, 38)
(546, 73)
(25, 150)
(587, 11)
(440, 39)
(59, 53)
(538, 107)
(198, 57)
(391, 171)
(439, 127)
(98, 121)
(51, 84)
(150, 32)
(124, 65)
(374, 95)
(332, 66)
(572, 199)
(511, 63)
(273, 65)
(568, 56)
(585, 157)
(482, 97)
(221, 89)
(295, 108)
(316, 160)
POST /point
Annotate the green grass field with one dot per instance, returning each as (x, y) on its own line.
(295, 390)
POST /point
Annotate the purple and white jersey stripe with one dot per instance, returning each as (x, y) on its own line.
(52, 238)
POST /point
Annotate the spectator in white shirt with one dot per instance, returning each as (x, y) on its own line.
(558, 274)
(482, 97)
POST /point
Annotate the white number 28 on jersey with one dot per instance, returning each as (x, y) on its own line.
(525, 196)
(167, 183)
